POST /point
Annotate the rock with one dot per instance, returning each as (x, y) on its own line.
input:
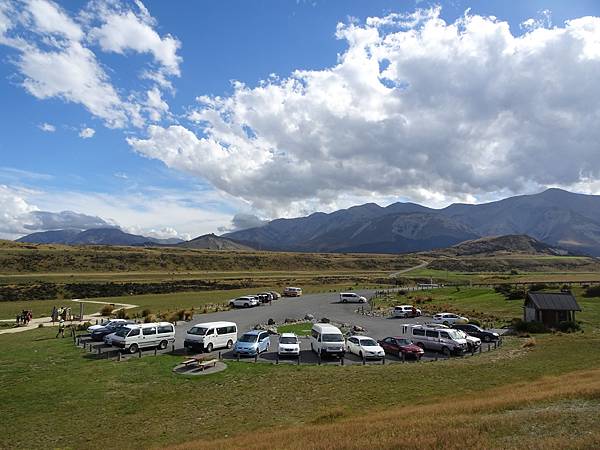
(288, 320)
(324, 320)
(271, 322)
(358, 329)
(309, 317)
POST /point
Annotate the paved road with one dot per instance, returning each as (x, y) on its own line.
(319, 305)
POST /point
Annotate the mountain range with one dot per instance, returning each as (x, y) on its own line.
(94, 236)
(556, 217)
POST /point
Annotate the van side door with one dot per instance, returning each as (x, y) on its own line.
(433, 339)
(148, 337)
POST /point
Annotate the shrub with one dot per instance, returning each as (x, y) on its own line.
(538, 287)
(529, 343)
(106, 310)
(146, 312)
(569, 326)
(475, 322)
(122, 314)
(150, 318)
(520, 326)
(83, 326)
(592, 291)
(514, 272)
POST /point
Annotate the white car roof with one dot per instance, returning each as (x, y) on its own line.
(348, 293)
(360, 337)
(326, 328)
(287, 335)
(216, 324)
(403, 306)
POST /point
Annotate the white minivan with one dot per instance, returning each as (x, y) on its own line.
(346, 297)
(325, 339)
(134, 337)
(210, 335)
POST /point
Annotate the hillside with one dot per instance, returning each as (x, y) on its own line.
(501, 245)
(214, 242)
(555, 217)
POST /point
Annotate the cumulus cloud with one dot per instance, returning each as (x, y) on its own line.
(243, 221)
(56, 58)
(49, 128)
(415, 107)
(13, 209)
(87, 133)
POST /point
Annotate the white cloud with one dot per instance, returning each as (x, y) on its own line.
(49, 128)
(155, 105)
(87, 133)
(55, 57)
(14, 209)
(123, 31)
(415, 108)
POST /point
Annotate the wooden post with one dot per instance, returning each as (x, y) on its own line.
(298, 359)
(155, 351)
(119, 356)
(139, 352)
(256, 357)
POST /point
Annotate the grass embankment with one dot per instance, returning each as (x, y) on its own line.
(16, 258)
(300, 329)
(74, 400)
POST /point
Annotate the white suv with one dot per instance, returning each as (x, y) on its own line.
(244, 302)
(406, 311)
(449, 319)
(346, 297)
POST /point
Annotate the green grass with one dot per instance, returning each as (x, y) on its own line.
(73, 400)
(300, 329)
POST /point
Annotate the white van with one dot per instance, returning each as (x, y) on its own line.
(446, 340)
(325, 339)
(346, 297)
(292, 292)
(210, 335)
(144, 335)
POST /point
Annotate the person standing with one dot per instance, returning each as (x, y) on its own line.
(61, 328)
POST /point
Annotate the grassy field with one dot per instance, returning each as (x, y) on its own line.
(300, 329)
(66, 393)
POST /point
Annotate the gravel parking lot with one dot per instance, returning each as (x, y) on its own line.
(295, 308)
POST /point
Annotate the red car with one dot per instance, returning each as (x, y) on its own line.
(401, 346)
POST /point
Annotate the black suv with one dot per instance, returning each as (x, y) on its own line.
(474, 330)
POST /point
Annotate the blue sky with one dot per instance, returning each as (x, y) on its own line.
(180, 167)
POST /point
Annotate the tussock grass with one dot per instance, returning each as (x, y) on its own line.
(551, 413)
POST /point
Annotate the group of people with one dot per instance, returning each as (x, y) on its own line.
(60, 313)
(24, 317)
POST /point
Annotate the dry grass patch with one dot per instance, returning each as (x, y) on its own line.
(551, 413)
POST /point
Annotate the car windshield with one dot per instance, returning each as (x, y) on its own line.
(333, 338)
(123, 332)
(455, 334)
(200, 331)
(248, 338)
(288, 340)
(404, 341)
(368, 343)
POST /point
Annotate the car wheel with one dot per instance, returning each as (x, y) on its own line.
(133, 348)
(229, 343)
(486, 339)
(209, 348)
(163, 345)
(246, 305)
(344, 300)
(360, 354)
(446, 352)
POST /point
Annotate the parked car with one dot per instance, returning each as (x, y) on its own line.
(98, 333)
(474, 330)
(244, 302)
(264, 297)
(365, 347)
(252, 343)
(346, 297)
(105, 324)
(473, 343)
(446, 340)
(406, 311)
(292, 292)
(325, 339)
(211, 335)
(401, 347)
(288, 345)
(276, 295)
(134, 337)
(449, 319)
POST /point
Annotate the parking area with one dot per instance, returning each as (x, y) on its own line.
(325, 305)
